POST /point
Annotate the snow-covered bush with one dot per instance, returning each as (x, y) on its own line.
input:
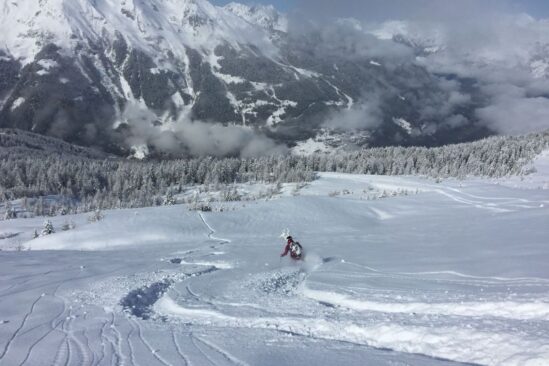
(169, 199)
(230, 195)
(48, 228)
(204, 207)
(68, 225)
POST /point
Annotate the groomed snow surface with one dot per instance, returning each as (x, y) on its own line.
(429, 274)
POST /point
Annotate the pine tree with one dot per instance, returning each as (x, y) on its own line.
(10, 212)
(39, 207)
(169, 199)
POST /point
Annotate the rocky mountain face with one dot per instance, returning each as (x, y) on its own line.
(111, 74)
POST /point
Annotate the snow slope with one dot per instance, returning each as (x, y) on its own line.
(537, 177)
(397, 271)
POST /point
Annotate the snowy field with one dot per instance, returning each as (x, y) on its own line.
(398, 271)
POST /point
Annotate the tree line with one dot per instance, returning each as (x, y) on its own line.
(61, 183)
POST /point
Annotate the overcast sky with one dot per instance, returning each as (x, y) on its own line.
(393, 9)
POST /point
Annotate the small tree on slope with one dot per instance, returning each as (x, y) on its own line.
(48, 228)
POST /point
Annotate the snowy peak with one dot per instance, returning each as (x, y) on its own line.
(265, 16)
(425, 39)
(25, 28)
(146, 25)
(190, 13)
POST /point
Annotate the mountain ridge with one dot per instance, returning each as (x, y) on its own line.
(123, 75)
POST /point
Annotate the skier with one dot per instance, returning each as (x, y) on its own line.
(295, 249)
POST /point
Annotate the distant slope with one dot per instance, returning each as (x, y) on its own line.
(15, 142)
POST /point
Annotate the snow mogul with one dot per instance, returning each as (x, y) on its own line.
(294, 248)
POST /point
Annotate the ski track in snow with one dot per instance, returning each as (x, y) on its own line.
(496, 204)
(180, 352)
(131, 348)
(400, 338)
(212, 231)
(462, 277)
(233, 360)
(511, 310)
(52, 328)
(479, 319)
(21, 326)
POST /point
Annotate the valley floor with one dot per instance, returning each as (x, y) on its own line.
(424, 274)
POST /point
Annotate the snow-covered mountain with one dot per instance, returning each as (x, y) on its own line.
(107, 73)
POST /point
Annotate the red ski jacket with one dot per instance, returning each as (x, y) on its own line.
(287, 249)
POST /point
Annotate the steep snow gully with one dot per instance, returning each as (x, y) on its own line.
(455, 273)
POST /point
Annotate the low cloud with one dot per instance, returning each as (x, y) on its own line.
(507, 56)
(516, 116)
(347, 38)
(195, 138)
(366, 115)
(492, 45)
(382, 10)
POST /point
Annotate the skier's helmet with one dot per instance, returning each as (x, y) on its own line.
(289, 238)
